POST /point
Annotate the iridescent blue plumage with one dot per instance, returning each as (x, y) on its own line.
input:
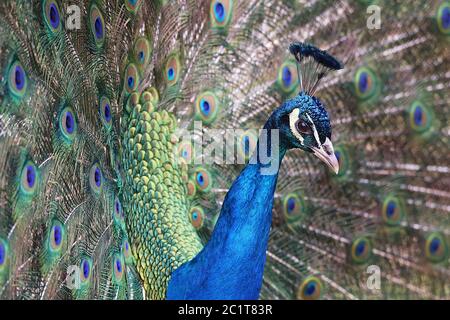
(287, 76)
(238, 244)
(54, 16)
(2, 253)
(86, 269)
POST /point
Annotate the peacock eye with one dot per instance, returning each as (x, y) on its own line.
(303, 127)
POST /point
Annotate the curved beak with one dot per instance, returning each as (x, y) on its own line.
(326, 154)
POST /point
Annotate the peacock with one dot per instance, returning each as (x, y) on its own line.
(224, 149)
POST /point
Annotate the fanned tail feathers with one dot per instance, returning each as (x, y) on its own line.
(93, 206)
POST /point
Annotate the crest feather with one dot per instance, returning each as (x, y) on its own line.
(312, 65)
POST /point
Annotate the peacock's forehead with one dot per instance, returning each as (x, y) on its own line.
(314, 108)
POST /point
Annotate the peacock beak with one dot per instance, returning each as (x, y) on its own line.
(326, 154)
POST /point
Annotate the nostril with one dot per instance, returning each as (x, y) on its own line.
(328, 147)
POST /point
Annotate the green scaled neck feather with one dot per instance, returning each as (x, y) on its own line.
(154, 200)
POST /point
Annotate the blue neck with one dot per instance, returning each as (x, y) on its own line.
(231, 265)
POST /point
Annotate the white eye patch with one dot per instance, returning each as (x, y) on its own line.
(316, 134)
(293, 117)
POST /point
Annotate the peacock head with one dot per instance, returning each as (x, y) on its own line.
(304, 124)
(303, 121)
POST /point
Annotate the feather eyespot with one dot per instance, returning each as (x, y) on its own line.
(185, 151)
(361, 250)
(287, 80)
(203, 180)
(206, 107)
(220, 13)
(132, 5)
(118, 267)
(420, 117)
(131, 78)
(57, 234)
(85, 266)
(17, 80)
(118, 214)
(366, 83)
(293, 207)
(303, 127)
(29, 178)
(68, 123)
(3, 254)
(172, 70)
(126, 250)
(310, 289)
(4, 261)
(191, 190)
(436, 248)
(286, 76)
(443, 18)
(170, 74)
(196, 216)
(392, 210)
(95, 178)
(97, 25)
(142, 51)
(118, 209)
(290, 205)
(105, 111)
(52, 15)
